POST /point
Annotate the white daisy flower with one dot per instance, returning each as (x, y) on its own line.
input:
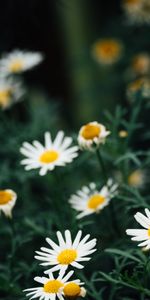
(7, 201)
(56, 153)
(89, 200)
(19, 61)
(137, 11)
(91, 135)
(68, 252)
(10, 92)
(52, 288)
(141, 235)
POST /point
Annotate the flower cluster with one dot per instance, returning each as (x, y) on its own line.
(12, 64)
(137, 11)
(60, 257)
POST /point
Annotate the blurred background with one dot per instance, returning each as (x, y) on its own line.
(65, 31)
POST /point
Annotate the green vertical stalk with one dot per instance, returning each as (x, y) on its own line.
(76, 27)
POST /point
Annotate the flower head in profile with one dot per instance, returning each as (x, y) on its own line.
(19, 61)
(10, 92)
(52, 154)
(141, 235)
(92, 135)
(137, 11)
(89, 200)
(140, 85)
(137, 178)
(7, 201)
(107, 51)
(67, 253)
(52, 288)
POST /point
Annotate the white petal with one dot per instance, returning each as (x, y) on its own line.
(142, 220)
(53, 245)
(77, 265)
(48, 141)
(60, 239)
(58, 140)
(68, 238)
(77, 239)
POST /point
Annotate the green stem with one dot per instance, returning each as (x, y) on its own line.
(102, 166)
(134, 117)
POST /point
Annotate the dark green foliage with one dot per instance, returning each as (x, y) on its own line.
(118, 270)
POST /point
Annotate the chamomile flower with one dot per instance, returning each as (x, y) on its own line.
(89, 200)
(67, 253)
(141, 235)
(73, 290)
(137, 11)
(140, 85)
(107, 51)
(19, 61)
(51, 287)
(92, 135)
(10, 92)
(7, 201)
(140, 64)
(137, 178)
(52, 154)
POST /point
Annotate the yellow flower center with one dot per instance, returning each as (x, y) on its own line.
(123, 133)
(49, 156)
(136, 178)
(16, 66)
(95, 201)
(5, 96)
(72, 290)
(148, 232)
(52, 286)
(5, 197)
(90, 131)
(107, 49)
(67, 256)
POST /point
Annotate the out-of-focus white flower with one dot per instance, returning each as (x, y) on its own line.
(107, 51)
(10, 92)
(140, 85)
(140, 64)
(137, 11)
(19, 61)
(89, 200)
